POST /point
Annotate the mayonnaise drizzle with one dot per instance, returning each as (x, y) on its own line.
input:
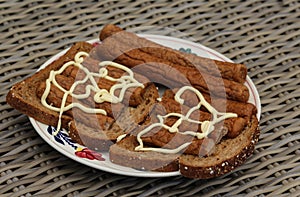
(207, 126)
(101, 95)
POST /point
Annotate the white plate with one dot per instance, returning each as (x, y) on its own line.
(66, 146)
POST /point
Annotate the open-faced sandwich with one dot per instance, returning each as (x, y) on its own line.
(106, 96)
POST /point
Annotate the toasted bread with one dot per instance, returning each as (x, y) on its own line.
(22, 96)
(26, 97)
(228, 155)
(123, 153)
(129, 118)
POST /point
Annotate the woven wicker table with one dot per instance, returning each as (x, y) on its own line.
(264, 35)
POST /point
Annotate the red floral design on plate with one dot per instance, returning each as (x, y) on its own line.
(89, 154)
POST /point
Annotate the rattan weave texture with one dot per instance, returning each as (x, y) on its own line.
(264, 35)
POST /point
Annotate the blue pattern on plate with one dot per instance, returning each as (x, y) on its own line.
(187, 50)
(61, 137)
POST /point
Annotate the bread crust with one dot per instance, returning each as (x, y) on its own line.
(22, 96)
(123, 153)
(235, 152)
(191, 166)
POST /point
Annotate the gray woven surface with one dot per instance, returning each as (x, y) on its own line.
(265, 35)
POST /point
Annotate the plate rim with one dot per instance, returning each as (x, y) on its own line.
(136, 173)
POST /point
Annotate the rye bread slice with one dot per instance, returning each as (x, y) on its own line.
(89, 137)
(129, 118)
(22, 96)
(228, 155)
(123, 153)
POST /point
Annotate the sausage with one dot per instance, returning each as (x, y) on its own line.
(167, 66)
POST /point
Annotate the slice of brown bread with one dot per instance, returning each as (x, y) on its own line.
(123, 153)
(228, 154)
(100, 138)
(22, 96)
